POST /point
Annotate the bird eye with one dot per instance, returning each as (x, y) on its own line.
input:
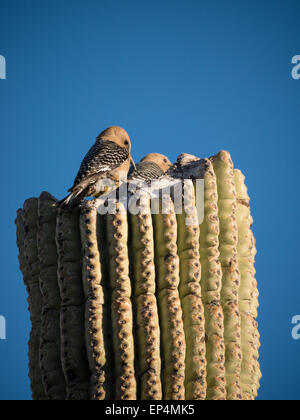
(165, 160)
(126, 142)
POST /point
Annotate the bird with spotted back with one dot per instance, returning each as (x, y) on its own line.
(107, 160)
(151, 167)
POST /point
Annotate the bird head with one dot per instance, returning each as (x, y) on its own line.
(160, 160)
(119, 136)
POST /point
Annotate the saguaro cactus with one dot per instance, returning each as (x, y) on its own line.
(149, 304)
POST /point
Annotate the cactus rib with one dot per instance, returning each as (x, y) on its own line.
(170, 311)
(52, 374)
(147, 323)
(34, 374)
(95, 311)
(73, 351)
(211, 282)
(121, 307)
(227, 204)
(191, 298)
(248, 294)
(30, 216)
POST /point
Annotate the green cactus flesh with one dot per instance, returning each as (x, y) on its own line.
(156, 305)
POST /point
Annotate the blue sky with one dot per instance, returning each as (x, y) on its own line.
(192, 76)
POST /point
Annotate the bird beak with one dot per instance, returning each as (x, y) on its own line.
(132, 162)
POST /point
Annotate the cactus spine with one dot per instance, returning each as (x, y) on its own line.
(154, 305)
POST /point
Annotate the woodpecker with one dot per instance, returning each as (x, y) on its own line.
(108, 159)
(151, 167)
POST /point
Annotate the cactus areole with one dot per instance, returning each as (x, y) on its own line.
(155, 304)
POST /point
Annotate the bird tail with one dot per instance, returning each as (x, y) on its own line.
(64, 202)
(69, 200)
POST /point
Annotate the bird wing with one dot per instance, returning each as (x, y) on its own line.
(146, 171)
(103, 156)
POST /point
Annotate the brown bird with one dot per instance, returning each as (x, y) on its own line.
(151, 167)
(108, 159)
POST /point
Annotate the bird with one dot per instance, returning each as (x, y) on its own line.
(108, 159)
(151, 167)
